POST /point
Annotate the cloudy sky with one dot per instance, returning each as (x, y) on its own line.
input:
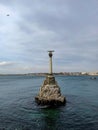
(28, 28)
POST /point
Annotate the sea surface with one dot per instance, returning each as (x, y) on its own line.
(18, 110)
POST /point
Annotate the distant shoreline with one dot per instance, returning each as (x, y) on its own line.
(59, 74)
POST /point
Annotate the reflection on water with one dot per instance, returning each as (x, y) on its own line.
(18, 110)
(50, 116)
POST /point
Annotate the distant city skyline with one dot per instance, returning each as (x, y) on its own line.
(29, 28)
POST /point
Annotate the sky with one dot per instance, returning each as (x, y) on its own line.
(29, 28)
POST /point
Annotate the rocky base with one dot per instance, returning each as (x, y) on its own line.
(51, 102)
(50, 93)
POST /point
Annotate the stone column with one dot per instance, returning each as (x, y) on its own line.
(50, 62)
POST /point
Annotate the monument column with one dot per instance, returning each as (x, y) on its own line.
(50, 93)
(50, 62)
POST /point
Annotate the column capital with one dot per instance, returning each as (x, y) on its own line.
(50, 53)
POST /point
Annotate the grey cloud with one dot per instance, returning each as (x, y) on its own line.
(5, 63)
(69, 27)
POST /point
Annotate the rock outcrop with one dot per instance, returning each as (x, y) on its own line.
(50, 93)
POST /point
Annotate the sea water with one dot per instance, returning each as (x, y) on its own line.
(18, 110)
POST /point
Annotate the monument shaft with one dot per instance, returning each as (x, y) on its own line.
(50, 62)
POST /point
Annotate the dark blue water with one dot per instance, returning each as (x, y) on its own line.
(18, 110)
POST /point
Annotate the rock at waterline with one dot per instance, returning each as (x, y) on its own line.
(50, 93)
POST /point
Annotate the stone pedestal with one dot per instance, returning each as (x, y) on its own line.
(50, 93)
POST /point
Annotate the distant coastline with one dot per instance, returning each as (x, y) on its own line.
(60, 73)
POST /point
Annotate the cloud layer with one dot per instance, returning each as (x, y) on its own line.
(33, 27)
